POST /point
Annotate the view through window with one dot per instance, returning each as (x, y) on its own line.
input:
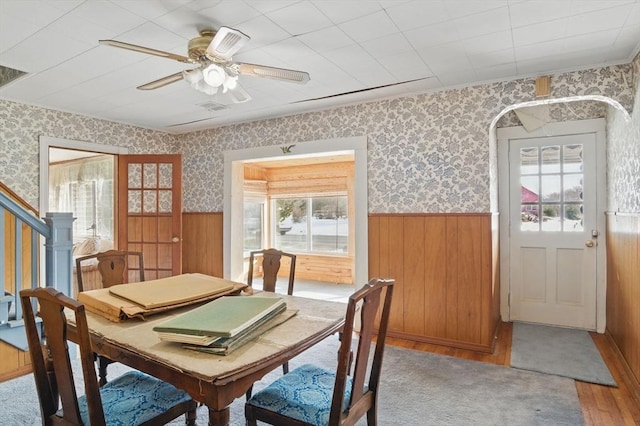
(311, 224)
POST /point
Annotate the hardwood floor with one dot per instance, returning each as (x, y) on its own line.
(601, 405)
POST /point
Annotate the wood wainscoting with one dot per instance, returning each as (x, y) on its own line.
(447, 276)
(623, 286)
(202, 243)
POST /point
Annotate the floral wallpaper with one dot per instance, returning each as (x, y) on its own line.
(21, 125)
(623, 151)
(427, 152)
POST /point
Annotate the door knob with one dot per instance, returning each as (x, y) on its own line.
(175, 239)
(589, 243)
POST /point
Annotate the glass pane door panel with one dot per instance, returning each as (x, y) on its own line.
(572, 158)
(573, 218)
(529, 161)
(550, 159)
(551, 219)
(572, 185)
(150, 176)
(550, 188)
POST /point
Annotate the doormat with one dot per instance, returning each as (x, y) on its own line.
(558, 351)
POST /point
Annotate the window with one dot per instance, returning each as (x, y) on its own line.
(311, 224)
(85, 188)
(253, 224)
(551, 179)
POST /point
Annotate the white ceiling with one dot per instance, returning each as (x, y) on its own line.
(345, 45)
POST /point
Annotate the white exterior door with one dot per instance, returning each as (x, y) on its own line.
(553, 230)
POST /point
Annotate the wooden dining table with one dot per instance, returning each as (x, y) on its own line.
(214, 380)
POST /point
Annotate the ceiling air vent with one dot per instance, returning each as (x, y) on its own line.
(213, 106)
(7, 75)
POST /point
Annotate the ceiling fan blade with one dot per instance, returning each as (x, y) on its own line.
(238, 95)
(226, 43)
(148, 50)
(162, 81)
(284, 74)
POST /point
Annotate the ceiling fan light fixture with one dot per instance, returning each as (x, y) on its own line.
(230, 83)
(214, 75)
(192, 76)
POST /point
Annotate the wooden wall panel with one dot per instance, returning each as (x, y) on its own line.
(435, 280)
(202, 243)
(414, 272)
(446, 276)
(623, 286)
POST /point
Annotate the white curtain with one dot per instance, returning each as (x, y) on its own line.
(85, 188)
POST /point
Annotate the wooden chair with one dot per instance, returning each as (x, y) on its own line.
(112, 265)
(132, 399)
(270, 267)
(339, 399)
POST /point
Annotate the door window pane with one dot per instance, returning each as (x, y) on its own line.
(529, 161)
(550, 159)
(550, 188)
(573, 218)
(572, 158)
(551, 217)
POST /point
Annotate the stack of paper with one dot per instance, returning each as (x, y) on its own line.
(225, 323)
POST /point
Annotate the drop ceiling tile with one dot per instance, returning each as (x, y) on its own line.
(498, 72)
(483, 23)
(42, 50)
(369, 27)
(600, 20)
(456, 66)
(262, 31)
(457, 77)
(186, 22)
(488, 42)
(106, 14)
(286, 50)
(432, 35)
(39, 13)
(533, 12)
(590, 6)
(371, 74)
(406, 66)
(415, 14)
(154, 36)
(539, 50)
(150, 9)
(538, 33)
(491, 59)
(300, 18)
(348, 56)
(266, 6)
(461, 8)
(443, 53)
(340, 11)
(229, 13)
(78, 28)
(326, 39)
(391, 44)
(13, 30)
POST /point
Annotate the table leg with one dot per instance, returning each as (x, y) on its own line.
(219, 417)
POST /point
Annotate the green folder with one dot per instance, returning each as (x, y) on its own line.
(225, 317)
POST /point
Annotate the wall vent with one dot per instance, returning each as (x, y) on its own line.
(213, 106)
(7, 75)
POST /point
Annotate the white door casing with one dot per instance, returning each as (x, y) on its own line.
(552, 211)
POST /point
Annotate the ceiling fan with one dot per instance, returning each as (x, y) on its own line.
(212, 51)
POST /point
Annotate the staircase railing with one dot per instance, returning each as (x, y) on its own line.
(56, 229)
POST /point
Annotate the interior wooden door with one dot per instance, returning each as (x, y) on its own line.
(150, 211)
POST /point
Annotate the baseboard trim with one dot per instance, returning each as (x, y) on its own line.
(630, 378)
